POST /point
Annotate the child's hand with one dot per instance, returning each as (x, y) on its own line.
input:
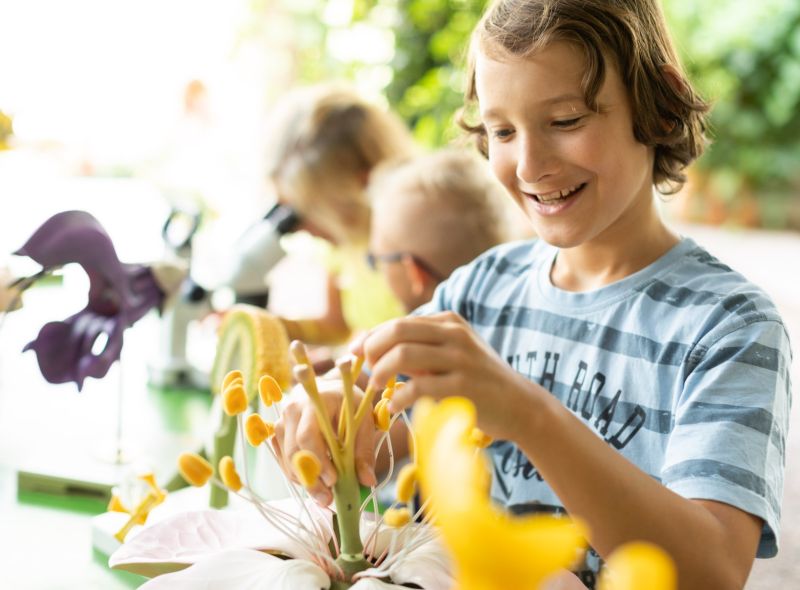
(298, 429)
(443, 356)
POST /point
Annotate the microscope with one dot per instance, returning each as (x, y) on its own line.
(254, 254)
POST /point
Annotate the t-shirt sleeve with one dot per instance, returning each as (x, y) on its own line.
(729, 436)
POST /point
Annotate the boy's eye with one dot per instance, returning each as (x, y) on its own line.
(566, 123)
(502, 133)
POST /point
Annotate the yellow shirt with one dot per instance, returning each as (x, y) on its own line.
(367, 299)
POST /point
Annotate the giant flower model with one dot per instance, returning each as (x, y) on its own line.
(491, 549)
(295, 544)
(119, 295)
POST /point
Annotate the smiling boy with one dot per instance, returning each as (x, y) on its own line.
(627, 376)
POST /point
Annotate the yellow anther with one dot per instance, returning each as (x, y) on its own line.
(256, 430)
(388, 393)
(116, 505)
(479, 438)
(381, 415)
(397, 517)
(269, 390)
(230, 377)
(140, 514)
(307, 467)
(227, 471)
(234, 400)
(194, 469)
(149, 479)
(406, 483)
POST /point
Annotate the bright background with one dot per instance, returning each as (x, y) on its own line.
(126, 108)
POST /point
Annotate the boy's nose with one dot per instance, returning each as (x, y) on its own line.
(535, 160)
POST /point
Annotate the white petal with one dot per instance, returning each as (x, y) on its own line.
(375, 584)
(244, 569)
(428, 566)
(385, 534)
(181, 540)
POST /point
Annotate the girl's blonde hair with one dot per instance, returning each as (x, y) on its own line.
(449, 207)
(668, 114)
(324, 142)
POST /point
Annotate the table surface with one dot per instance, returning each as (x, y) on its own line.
(45, 538)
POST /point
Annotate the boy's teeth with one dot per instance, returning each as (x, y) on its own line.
(558, 194)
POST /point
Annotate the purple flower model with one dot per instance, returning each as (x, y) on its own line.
(119, 295)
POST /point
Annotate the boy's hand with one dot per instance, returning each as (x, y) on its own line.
(443, 356)
(298, 429)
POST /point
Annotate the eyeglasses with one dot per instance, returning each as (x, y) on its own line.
(373, 259)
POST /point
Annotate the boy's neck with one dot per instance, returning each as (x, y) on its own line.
(619, 252)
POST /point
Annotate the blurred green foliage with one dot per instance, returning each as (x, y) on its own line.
(744, 56)
(427, 88)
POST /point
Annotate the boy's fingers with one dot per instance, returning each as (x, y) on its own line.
(310, 438)
(364, 453)
(321, 493)
(405, 396)
(276, 446)
(389, 334)
(356, 345)
(411, 359)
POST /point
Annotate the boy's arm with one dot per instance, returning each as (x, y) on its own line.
(712, 543)
(619, 502)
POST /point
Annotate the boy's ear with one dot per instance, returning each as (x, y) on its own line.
(417, 277)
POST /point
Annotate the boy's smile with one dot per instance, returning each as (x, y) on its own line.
(579, 174)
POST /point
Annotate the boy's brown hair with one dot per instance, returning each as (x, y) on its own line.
(668, 114)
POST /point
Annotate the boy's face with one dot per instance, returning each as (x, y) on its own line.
(391, 233)
(544, 142)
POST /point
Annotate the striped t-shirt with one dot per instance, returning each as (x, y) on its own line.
(683, 367)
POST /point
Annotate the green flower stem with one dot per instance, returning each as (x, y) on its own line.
(224, 440)
(347, 497)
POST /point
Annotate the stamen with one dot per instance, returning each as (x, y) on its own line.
(406, 483)
(358, 362)
(381, 415)
(269, 390)
(116, 505)
(346, 414)
(299, 353)
(307, 467)
(227, 471)
(479, 438)
(305, 376)
(257, 430)
(234, 400)
(397, 517)
(230, 377)
(194, 469)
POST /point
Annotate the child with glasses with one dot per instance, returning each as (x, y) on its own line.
(430, 215)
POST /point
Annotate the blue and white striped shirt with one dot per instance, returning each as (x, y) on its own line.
(683, 367)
